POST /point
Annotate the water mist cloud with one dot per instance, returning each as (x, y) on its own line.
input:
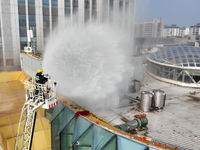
(87, 62)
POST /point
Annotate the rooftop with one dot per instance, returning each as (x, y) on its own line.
(177, 125)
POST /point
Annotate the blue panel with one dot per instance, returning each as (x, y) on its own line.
(81, 126)
(125, 144)
(68, 114)
(100, 137)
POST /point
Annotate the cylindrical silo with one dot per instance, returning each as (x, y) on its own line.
(146, 99)
(158, 98)
(137, 85)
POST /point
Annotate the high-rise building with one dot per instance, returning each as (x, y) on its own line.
(172, 30)
(184, 31)
(195, 29)
(149, 29)
(42, 16)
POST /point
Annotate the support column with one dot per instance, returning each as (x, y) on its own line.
(39, 25)
(81, 12)
(61, 14)
(6, 32)
(15, 32)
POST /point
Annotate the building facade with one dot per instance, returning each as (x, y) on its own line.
(177, 65)
(184, 31)
(195, 29)
(149, 29)
(172, 30)
(42, 16)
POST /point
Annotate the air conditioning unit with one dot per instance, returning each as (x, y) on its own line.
(28, 49)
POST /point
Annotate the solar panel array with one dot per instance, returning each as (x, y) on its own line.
(182, 56)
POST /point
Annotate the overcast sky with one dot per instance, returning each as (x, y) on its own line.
(180, 12)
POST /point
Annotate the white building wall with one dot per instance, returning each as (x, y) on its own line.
(39, 25)
(171, 32)
(61, 14)
(10, 32)
(187, 31)
(149, 29)
(15, 31)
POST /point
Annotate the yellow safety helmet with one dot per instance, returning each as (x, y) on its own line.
(40, 71)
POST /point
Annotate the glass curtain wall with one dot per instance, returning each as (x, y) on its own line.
(87, 10)
(75, 6)
(54, 12)
(67, 8)
(111, 11)
(32, 23)
(46, 23)
(55, 137)
(77, 133)
(94, 9)
(22, 23)
(176, 74)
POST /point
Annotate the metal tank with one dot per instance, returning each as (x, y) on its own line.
(146, 100)
(158, 98)
(137, 85)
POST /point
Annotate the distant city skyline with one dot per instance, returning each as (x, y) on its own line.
(180, 12)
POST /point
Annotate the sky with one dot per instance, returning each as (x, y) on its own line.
(179, 12)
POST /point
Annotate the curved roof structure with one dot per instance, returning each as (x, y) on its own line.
(180, 56)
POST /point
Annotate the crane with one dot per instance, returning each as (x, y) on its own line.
(46, 99)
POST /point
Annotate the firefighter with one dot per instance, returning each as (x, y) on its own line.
(39, 79)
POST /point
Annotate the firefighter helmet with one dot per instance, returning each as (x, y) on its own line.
(40, 71)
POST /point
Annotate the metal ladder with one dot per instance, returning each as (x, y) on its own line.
(27, 121)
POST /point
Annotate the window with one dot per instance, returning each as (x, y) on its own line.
(9, 62)
(111, 5)
(126, 6)
(75, 6)
(21, 9)
(1, 62)
(94, 8)
(21, 2)
(67, 7)
(54, 3)
(31, 2)
(45, 3)
(87, 10)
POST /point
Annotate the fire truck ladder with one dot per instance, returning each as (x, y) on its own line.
(46, 98)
